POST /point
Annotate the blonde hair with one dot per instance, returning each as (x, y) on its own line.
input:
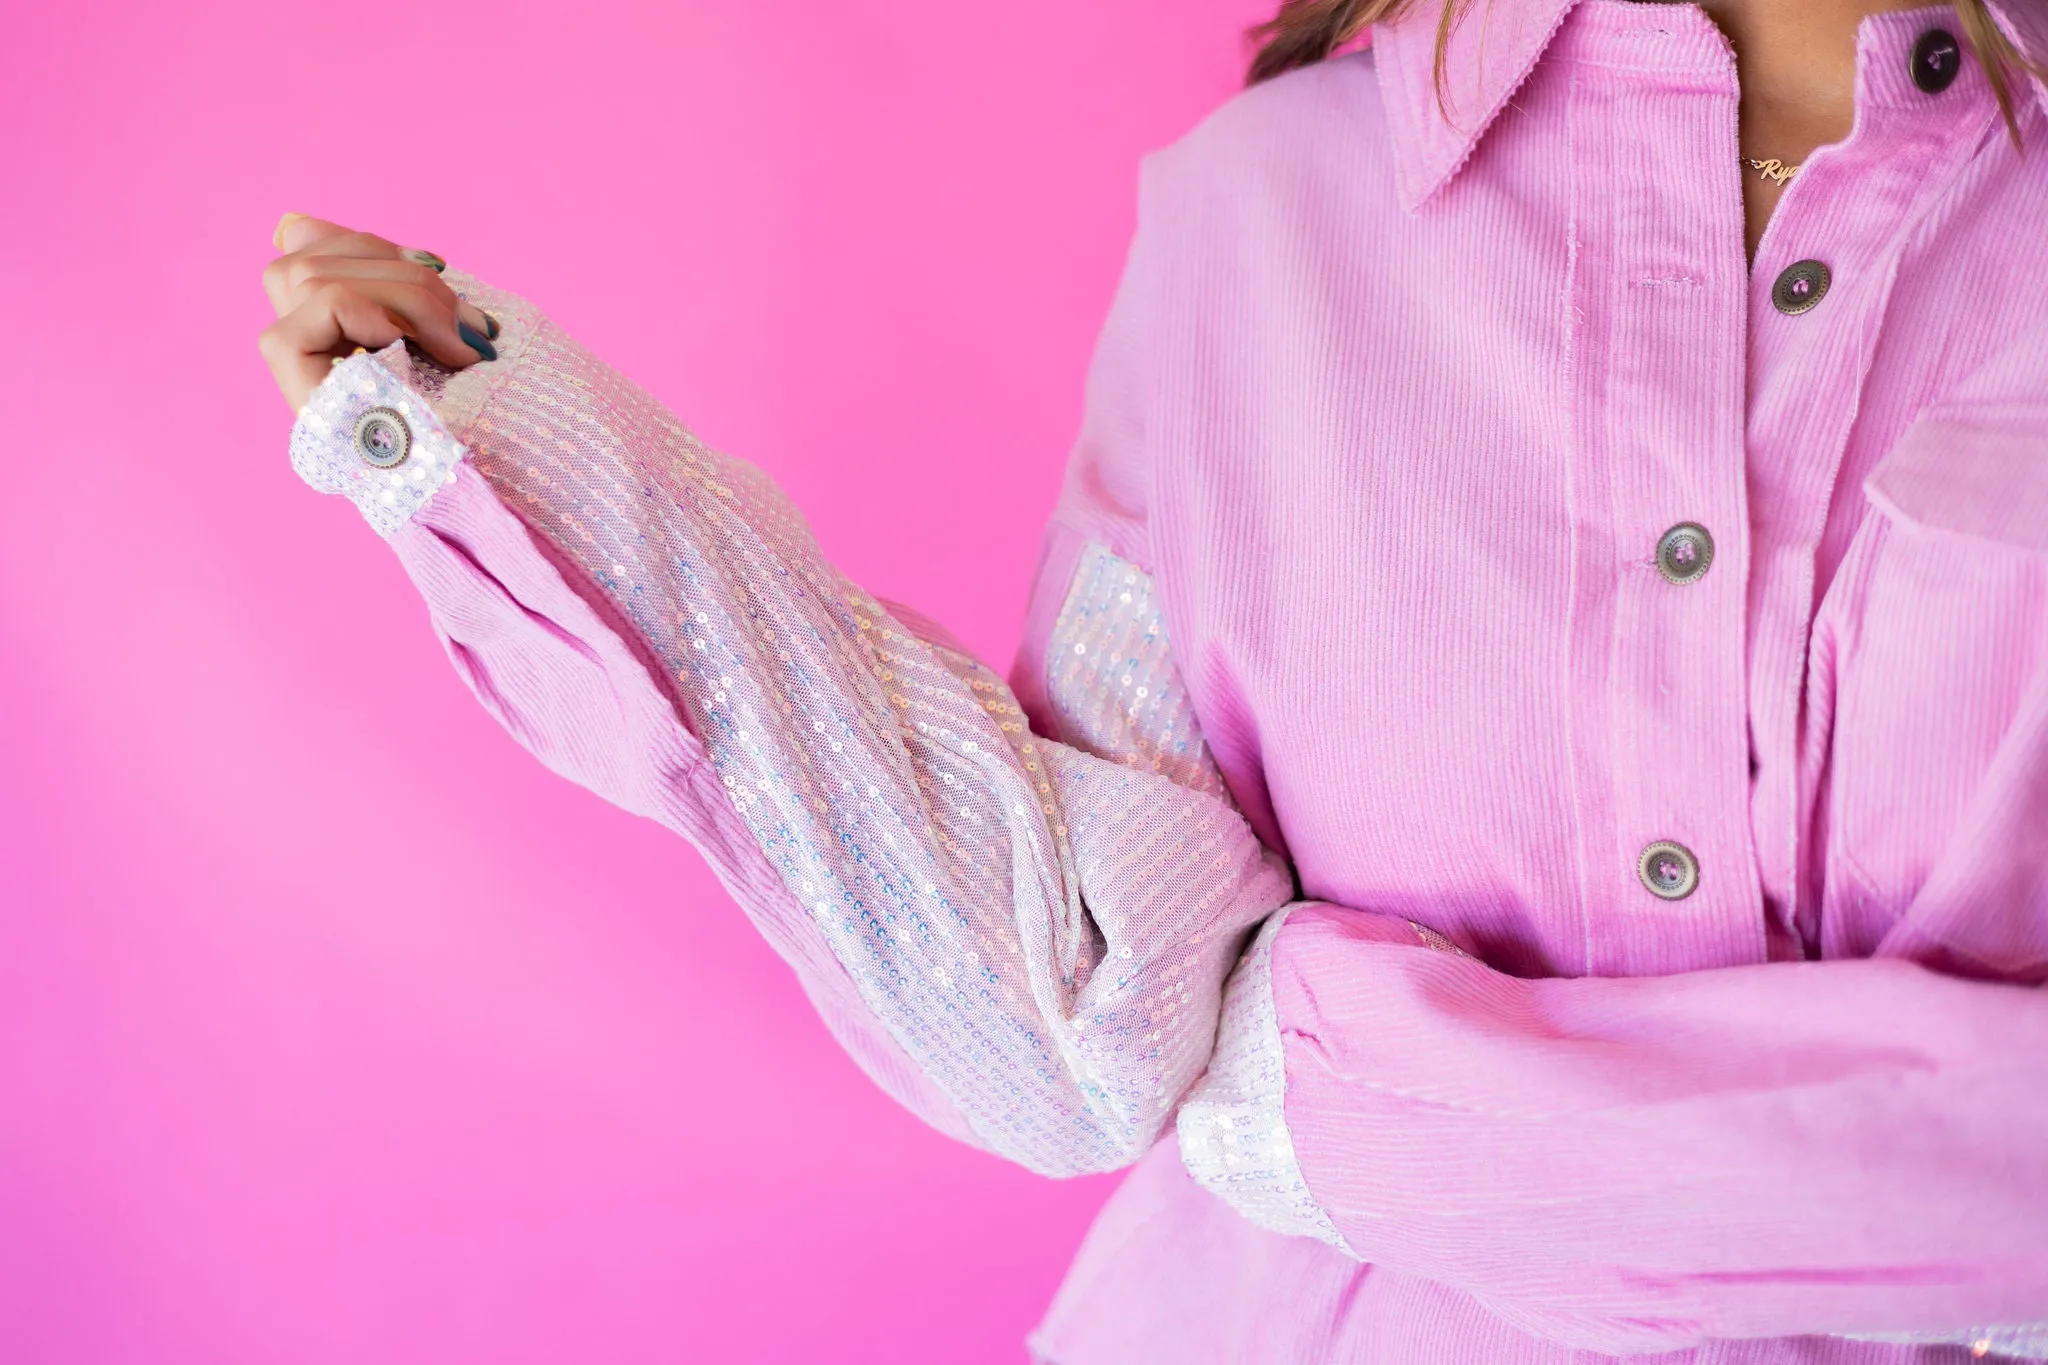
(1307, 31)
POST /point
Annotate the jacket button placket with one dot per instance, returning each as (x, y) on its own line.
(1669, 451)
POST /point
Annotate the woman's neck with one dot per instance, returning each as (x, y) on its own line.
(1797, 63)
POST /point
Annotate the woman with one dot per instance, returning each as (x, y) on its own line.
(1576, 878)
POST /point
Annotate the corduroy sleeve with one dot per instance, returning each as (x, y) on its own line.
(1643, 1164)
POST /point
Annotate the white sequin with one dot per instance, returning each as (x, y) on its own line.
(1049, 944)
(2029, 1342)
(1233, 1128)
(975, 883)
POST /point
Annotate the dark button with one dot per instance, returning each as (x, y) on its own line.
(1669, 870)
(382, 438)
(1801, 286)
(1937, 60)
(1684, 553)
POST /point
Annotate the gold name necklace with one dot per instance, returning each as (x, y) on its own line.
(1772, 170)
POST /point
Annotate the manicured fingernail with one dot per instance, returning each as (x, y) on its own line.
(277, 236)
(475, 340)
(490, 325)
(426, 258)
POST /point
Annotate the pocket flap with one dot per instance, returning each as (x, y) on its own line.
(1976, 463)
(1973, 469)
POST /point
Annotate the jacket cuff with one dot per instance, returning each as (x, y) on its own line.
(370, 436)
(1234, 1137)
(1233, 1127)
(1984, 1343)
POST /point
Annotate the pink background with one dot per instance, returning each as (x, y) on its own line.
(332, 1028)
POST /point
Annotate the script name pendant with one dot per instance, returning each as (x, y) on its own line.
(1773, 170)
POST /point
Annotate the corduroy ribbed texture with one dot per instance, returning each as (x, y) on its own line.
(1402, 476)
(1389, 416)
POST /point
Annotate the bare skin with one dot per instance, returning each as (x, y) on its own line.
(1797, 63)
(335, 289)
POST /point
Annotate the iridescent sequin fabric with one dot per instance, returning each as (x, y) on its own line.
(1233, 1128)
(2028, 1342)
(323, 451)
(1044, 931)
(1112, 681)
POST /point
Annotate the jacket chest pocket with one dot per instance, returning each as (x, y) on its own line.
(1936, 801)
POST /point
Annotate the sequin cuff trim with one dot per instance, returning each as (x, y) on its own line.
(1985, 1343)
(1233, 1128)
(339, 424)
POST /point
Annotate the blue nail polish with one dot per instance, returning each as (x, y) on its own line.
(476, 341)
(492, 323)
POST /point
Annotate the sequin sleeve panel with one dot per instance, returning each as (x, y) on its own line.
(1111, 687)
(547, 656)
(1039, 933)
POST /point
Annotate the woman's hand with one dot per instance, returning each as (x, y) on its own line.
(336, 291)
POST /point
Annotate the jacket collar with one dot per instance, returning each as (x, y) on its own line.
(1491, 53)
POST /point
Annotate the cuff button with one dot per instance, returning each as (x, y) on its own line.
(382, 438)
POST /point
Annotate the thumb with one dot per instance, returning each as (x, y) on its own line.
(296, 230)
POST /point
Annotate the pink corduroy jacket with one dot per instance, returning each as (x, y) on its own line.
(1523, 809)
